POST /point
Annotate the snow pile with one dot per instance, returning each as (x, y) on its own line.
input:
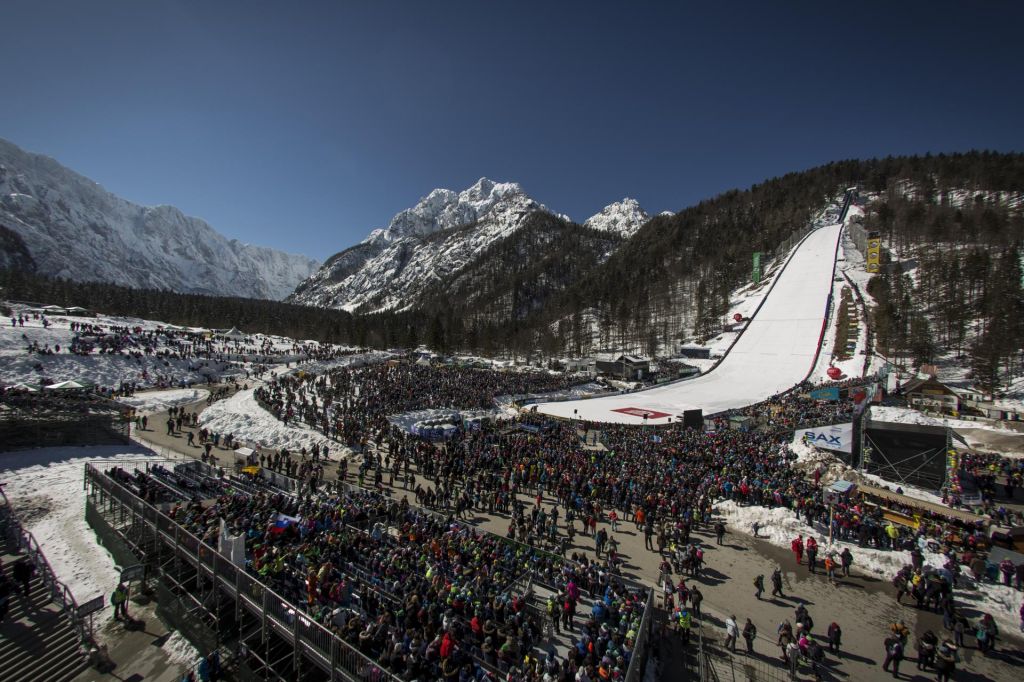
(244, 418)
(45, 488)
(158, 401)
(180, 651)
(780, 526)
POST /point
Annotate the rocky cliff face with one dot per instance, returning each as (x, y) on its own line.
(420, 247)
(73, 228)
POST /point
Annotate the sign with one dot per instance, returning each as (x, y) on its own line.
(874, 254)
(136, 572)
(830, 393)
(640, 412)
(838, 437)
(757, 267)
(91, 606)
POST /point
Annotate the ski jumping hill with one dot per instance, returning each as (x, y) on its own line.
(775, 352)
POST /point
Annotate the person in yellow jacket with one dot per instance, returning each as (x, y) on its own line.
(685, 621)
(893, 534)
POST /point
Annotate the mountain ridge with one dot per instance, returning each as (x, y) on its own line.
(74, 228)
(395, 266)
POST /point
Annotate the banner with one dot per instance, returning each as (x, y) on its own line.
(830, 393)
(231, 546)
(837, 437)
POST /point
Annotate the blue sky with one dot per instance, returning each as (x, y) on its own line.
(303, 125)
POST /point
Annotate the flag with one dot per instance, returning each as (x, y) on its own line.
(282, 522)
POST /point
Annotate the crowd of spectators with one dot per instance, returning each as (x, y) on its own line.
(352, 404)
(394, 579)
(425, 595)
(997, 479)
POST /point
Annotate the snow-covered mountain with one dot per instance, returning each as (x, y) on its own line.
(623, 217)
(421, 246)
(74, 228)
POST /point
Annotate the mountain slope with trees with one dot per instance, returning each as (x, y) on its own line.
(552, 287)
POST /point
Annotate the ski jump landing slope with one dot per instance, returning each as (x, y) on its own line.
(775, 352)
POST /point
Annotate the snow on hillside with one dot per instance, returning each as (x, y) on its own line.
(164, 367)
(74, 228)
(17, 364)
(421, 245)
(623, 217)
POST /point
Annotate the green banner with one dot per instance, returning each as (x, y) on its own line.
(757, 267)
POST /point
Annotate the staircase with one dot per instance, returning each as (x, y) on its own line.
(37, 641)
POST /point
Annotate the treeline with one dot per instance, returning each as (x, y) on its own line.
(967, 292)
(193, 310)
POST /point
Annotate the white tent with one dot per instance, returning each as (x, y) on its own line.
(243, 455)
(22, 386)
(69, 385)
(233, 334)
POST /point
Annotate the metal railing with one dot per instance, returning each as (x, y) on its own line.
(638, 661)
(59, 592)
(309, 639)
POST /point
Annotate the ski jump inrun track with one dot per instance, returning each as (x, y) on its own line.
(776, 351)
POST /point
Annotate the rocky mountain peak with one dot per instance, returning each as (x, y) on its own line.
(623, 217)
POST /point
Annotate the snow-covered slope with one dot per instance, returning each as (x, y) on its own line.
(623, 217)
(74, 228)
(421, 245)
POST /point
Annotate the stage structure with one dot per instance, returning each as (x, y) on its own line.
(905, 448)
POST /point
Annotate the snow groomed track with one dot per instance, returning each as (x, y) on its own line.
(775, 352)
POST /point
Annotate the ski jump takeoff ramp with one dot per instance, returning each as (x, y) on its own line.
(775, 352)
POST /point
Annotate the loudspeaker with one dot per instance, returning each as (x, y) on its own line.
(693, 419)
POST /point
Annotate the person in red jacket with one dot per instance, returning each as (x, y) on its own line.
(447, 645)
(798, 548)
